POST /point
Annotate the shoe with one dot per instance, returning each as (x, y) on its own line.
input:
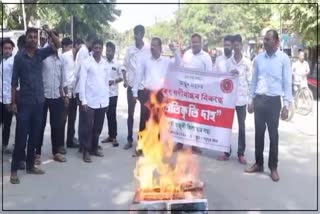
(37, 160)
(128, 145)
(97, 153)
(62, 150)
(73, 145)
(59, 158)
(86, 157)
(255, 168)
(115, 142)
(274, 175)
(35, 171)
(223, 157)
(22, 165)
(100, 148)
(242, 160)
(137, 153)
(196, 150)
(6, 150)
(107, 140)
(14, 179)
(177, 147)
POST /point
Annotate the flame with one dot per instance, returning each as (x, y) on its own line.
(160, 170)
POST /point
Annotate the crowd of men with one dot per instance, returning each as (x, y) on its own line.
(37, 80)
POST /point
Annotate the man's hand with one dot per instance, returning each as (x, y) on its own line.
(250, 108)
(125, 83)
(84, 108)
(235, 72)
(66, 101)
(14, 108)
(284, 113)
(134, 99)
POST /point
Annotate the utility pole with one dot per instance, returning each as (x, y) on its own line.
(71, 26)
(24, 16)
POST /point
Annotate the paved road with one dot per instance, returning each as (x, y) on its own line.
(108, 182)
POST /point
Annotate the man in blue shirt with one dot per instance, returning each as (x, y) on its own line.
(271, 79)
(27, 71)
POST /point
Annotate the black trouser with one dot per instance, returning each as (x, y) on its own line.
(56, 109)
(112, 116)
(90, 127)
(144, 97)
(241, 115)
(267, 112)
(6, 119)
(131, 107)
(70, 114)
(29, 119)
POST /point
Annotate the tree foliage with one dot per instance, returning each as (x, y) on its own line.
(90, 17)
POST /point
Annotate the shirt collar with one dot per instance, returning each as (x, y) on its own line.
(93, 60)
(275, 54)
(234, 60)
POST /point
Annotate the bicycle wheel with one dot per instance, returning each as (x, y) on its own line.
(304, 101)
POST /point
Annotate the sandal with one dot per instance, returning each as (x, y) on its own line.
(14, 179)
(59, 158)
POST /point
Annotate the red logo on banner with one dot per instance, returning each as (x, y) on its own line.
(226, 86)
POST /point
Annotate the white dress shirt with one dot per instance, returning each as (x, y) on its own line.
(6, 76)
(245, 74)
(200, 61)
(82, 54)
(52, 77)
(221, 64)
(115, 70)
(133, 56)
(69, 72)
(94, 83)
(272, 76)
(300, 71)
(152, 72)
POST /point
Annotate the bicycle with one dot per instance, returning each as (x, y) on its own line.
(302, 102)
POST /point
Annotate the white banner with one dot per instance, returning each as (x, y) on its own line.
(201, 108)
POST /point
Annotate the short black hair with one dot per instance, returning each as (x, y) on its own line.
(138, 29)
(66, 41)
(196, 35)
(228, 38)
(21, 41)
(158, 40)
(97, 41)
(31, 30)
(237, 38)
(111, 45)
(274, 33)
(8, 41)
(78, 41)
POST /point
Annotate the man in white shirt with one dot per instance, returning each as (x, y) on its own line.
(94, 97)
(221, 61)
(240, 66)
(152, 72)
(135, 53)
(197, 59)
(68, 58)
(6, 113)
(52, 77)
(300, 70)
(115, 73)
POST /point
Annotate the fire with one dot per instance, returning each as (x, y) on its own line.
(162, 174)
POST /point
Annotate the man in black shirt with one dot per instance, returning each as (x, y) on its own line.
(27, 71)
